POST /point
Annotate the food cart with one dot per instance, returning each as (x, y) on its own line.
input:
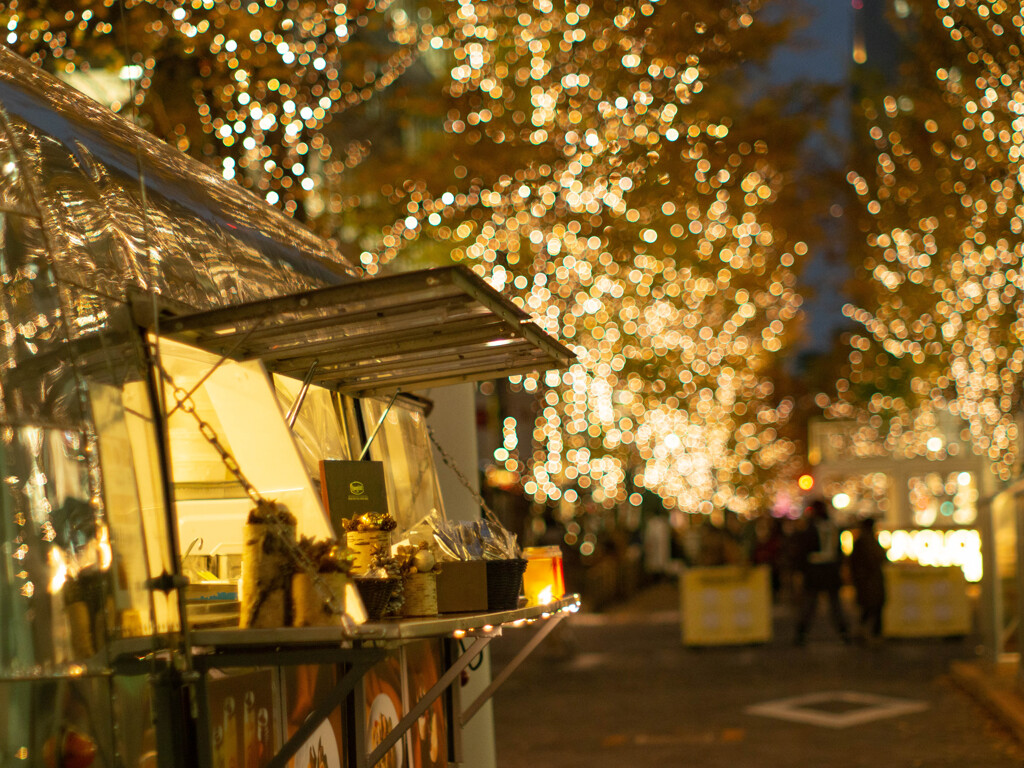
(172, 351)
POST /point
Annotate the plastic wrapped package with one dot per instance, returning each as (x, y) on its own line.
(317, 430)
(473, 539)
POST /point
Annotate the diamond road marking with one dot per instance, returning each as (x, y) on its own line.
(801, 709)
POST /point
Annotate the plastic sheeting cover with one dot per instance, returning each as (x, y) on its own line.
(91, 210)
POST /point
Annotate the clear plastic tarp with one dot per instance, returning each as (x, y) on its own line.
(238, 401)
(96, 215)
(195, 237)
(403, 444)
(316, 422)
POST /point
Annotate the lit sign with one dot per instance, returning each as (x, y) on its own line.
(959, 547)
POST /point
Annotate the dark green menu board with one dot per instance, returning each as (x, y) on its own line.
(352, 488)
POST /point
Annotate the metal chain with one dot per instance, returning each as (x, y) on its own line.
(184, 401)
(450, 463)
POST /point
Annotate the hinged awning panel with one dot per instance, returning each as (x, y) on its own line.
(408, 331)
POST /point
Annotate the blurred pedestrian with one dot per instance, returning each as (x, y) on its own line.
(866, 561)
(768, 549)
(712, 544)
(819, 558)
(738, 539)
(657, 546)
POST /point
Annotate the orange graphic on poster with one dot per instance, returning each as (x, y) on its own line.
(428, 746)
(304, 684)
(382, 701)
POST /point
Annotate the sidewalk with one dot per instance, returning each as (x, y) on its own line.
(996, 688)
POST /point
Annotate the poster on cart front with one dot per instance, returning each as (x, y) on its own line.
(241, 709)
(428, 737)
(304, 685)
(383, 708)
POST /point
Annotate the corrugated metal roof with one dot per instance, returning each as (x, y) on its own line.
(405, 331)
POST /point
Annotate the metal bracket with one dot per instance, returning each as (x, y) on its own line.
(387, 410)
(324, 708)
(293, 412)
(512, 666)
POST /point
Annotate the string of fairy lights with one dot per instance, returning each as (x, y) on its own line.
(943, 223)
(587, 177)
(263, 81)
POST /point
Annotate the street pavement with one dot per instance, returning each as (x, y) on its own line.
(620, 689)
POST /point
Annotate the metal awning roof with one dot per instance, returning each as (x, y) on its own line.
(406, 331)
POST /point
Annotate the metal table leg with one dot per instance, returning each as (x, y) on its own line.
(327, 705)
(537, 639)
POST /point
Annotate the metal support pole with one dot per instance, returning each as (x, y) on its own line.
(175, 580)
(293, 412)
(537, 639)
(369, 440)
(991, 608)
(429, 697)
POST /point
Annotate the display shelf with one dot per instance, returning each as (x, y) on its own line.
(398, 629)
(448, 624)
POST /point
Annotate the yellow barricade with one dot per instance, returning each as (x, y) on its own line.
(924, 601)
(726, 605)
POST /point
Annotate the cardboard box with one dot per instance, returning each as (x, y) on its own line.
(462, 587)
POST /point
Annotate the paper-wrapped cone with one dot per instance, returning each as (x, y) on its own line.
(266, 575)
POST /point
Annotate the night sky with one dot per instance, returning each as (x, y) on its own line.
(822, 52)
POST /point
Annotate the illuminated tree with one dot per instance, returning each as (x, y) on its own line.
(942, 220)
(602, 162)
(250, 87)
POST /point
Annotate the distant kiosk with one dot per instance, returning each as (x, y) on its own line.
(931, 493)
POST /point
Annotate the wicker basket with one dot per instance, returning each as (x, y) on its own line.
(504, 583)
(375, 594)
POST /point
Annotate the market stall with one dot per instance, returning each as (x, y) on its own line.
(184, 372)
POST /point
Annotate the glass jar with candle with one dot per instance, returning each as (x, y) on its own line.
(543, 580)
